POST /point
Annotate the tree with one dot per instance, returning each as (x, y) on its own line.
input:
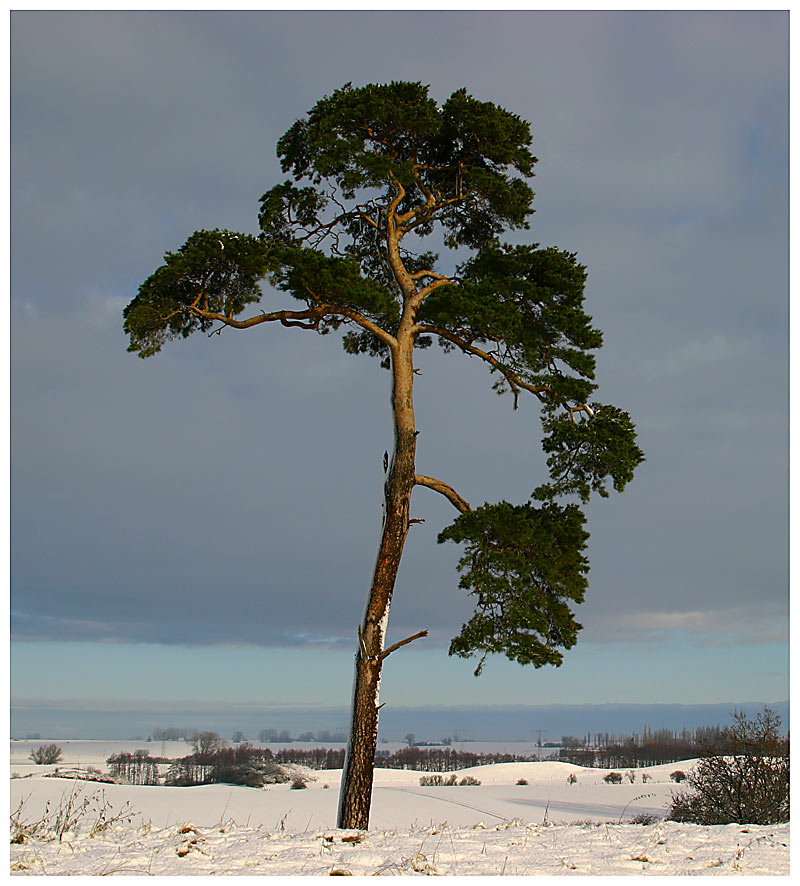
(136, 768)
(742, 779)
(376, 172)
(46, 754)
(206, 744)
(172, 733)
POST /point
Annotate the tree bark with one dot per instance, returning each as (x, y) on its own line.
(356, 791)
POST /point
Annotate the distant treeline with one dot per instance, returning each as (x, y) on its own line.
(179, 733)
(650, 748)
(213, 762)
(443, 759)
(419, 759)
(248, 765)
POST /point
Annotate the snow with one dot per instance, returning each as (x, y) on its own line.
(547, 827)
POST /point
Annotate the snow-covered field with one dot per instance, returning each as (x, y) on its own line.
(499, 827)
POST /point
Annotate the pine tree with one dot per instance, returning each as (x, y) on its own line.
(372, 171)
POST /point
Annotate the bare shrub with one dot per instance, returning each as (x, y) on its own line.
(273, 773)
(522, 781)
(613, 778)
(644, 818)
(63, 818)
(451, 781)
(76, 773)
(745, 780)
(678, 776)
(436, 781)
(249, 776)
(299, 783)
(46, 754)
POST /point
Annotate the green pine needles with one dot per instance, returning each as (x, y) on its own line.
(523, 564)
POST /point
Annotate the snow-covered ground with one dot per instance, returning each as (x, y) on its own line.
(547, 826)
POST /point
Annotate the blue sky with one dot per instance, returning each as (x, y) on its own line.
(184, 525)
(628, 673)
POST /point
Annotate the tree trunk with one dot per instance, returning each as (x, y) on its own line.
(356, 790)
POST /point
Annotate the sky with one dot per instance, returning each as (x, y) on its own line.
(203, 524)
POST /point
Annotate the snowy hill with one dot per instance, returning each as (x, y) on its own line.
(547, 826)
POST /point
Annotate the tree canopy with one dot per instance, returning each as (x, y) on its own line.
(373, 171)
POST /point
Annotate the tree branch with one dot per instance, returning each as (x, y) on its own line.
(418, 275)
(308, 319)
(312, 314)
(515, 382)
(394, 646)
(438, 282)
(510, 376)
(323, 229)
(391, 213)
(444, 489)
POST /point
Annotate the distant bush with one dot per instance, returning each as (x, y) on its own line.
(644, 818)
(172, 733)
(572, 778)
(46, 754)
(241, 765)
(613, 778)
(435, 781)
(298, 783)
(522, 781)
(449, 781)
(248, 776)
(76, 774)
(745, 780)
(678, 776)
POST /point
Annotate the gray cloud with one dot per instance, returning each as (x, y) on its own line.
(229, 489)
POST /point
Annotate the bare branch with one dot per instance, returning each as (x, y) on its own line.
(444, 489)
(438, 282)
(370, 219)
(318, 233)
(396, 646)
(423, 213)
(400, 192)
(362, 643)
(512, 378)
(583, 408)
(514, 381)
